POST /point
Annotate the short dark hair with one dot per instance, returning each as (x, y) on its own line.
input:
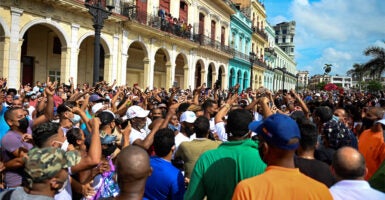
(164, 140)
(201, 127)
(183, 107)
(348, 171)
(309, 135)
(43, 132)
(9, 113)
(73, 135)
(63, 107)
(238, 122)
(324, 113)
(208, 103)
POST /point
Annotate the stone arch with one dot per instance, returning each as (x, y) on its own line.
(181, 70)
(60, 32)
(103, 41)
(162, 68)
(5, 28)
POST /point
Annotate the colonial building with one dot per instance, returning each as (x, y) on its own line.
(152, 43)
(240, 40)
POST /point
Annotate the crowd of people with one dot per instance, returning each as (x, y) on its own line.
(120, 142)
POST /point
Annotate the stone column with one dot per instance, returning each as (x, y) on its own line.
(14, 67)
(4, 56)
(74, 54)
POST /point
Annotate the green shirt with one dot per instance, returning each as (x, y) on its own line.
(218, 171)
(377, 181)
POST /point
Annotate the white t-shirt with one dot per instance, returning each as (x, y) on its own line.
(221, 131)
(135, 134)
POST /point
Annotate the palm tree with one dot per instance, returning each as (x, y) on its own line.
(357, 73)
(376, 65)
(328, 68)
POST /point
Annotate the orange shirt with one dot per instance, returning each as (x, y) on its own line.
(281, 183)
(371, 145)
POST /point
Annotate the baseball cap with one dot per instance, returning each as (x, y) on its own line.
(45, 163)
(162, 105)
(188, 116)
(277, 130)
(95, 108)
(106, 117)
(136, 111)
(95, 98)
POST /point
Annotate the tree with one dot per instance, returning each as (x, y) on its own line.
(376, 65)
(328, 68)
(374, 86)
(321, 86)
(357, 73)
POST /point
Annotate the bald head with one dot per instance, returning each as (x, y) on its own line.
(133, 164)
(349, 164)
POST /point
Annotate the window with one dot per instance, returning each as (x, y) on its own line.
(54, 76)
(284, 31)
(292, 50)
(283, 39)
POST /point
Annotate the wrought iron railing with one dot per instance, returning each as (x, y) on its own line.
(260, 32)
(207, 41)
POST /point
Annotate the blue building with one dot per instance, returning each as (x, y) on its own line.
(240, 40)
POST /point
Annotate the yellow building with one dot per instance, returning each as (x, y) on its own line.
(139, 43)
(255, 10)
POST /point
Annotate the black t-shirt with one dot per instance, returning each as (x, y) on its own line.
(315, 169)
(324, 154)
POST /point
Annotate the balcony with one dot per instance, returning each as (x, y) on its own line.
(261, 63)
(207, 41)
(260, 32)
(270, 52)
(172, 26)
(163, 23)
(238, 54)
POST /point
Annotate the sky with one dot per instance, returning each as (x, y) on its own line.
(331, 31)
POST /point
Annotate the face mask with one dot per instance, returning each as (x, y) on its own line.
(335, 118)
(23, 125)
(63, 187)
(76, 119)
(172, 127)
(64, 146)
(367, 123)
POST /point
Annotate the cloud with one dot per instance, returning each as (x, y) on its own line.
(336, 32)
(278, 19)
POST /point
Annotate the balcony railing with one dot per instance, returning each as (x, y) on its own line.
(261, 63)
(172, 26)
(163, 23)
(241, 55)
(260, 32)
(207, 41)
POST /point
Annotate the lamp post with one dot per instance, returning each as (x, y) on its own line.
(297, 76)
(252, 59)
(99, 13)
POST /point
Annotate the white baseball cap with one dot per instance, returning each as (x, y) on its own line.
(136, 111)
(95, 108)
(188, 116)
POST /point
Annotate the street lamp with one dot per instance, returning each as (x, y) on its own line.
(99, 13)
(252, 59)
(297, 76)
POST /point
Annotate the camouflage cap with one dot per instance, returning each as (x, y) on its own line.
(45, 163)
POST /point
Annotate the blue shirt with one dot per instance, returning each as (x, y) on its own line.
(4, 128)
(165, 182)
